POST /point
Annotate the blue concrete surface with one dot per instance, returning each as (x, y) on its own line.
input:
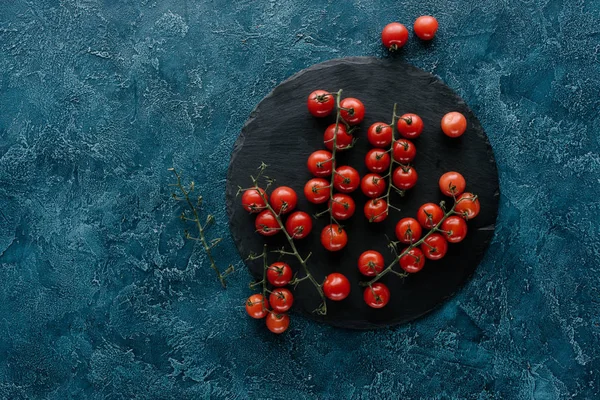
(101, 298)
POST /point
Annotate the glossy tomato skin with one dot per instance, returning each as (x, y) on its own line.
(319, 163)
(317, 190)
(377, 160)
(342, 207)
(370, 263)
(346, 179)
(434, 247)
(376, 210)
(320, 103)
(455, 229)
(380, 134)
(254, 306)
(283, 199)
(281, 300)
(405, 177)
(408, 230)
(372, 185)
(377, 296)
(410, 126)
(413, 261)
(336, 287)
(425, 27)
(452, 183)
(352, 110)
(429, 215)
(466, 206)
(343, 139)
(279, 274)
(454, 124)
(404, 151)
(394, 36)
(278, 323)
(298, 225)
(253, 202)
(266, 224)
(334, 237)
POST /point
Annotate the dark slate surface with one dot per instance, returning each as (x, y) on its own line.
(101, 298)
(282, 132)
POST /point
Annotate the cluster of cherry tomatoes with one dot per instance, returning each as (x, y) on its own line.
(395, 35)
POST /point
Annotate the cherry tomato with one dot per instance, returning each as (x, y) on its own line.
(298, 225)
(376, 210)
(279, 274)
(467, 205)
(454, 124)
(377, 296)
(404, 151)
(408, 230)
(434, 246)
(405, 177)
(452, 183)
(352, 110)
(413, 261)
(283, 199)
(254, 306)
(429, 215)
(346, 179)
(342, 207)
(425, 27)
(343, 139)
(377, 160)
(281, 300)
(410, 126)
(394, 36)
(266, 224)
(252, 201)
(333, 237)
(370, 263)
(320, 103)
(380, 134)
(455, 229)
(278, 323)
(317, 190)
(372, 185)
(319, 163)
(336, 287)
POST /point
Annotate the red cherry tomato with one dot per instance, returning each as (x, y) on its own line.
(455, 229)
(346, 179)
(279, 274)
(377, 296)
(408, 230)
(254, 306)
(373, 185)
(429, 215)
(320, 103)
(252, 201)
(342, 207)
(319, 163)
(370, 263)
(336, 287)
(380, 134)
(425, 27)
(434, 246)
(281, 300)
(343, 138)
(283, 199)
(467, 205)
(333, 237)
(452, 183)
(405, 177)
(410, 126)
(266, 224)
(278, 323)
(317, 190)
(298, 225)
(377, 160)
(404, 151)
(454, 124)
(394, 36)
(352, 110)
(413, 261)
(376, 210)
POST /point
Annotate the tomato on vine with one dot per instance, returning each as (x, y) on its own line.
(342, 206)
(434, 246)
(298, 225)
(252, 201)
(352, 110)
(281, 300)
(373, 185)
(379, 134)
(454, 228)
(278, 323)
(394, 36)
(336, 287)
(377, 296)
(346, 179)
(467, 205)
(370, 263)
(413, 261)
(266, 224)
(343, 139)
(404, 151)
(425, 27)
(333, 237)
(319, 163)
(454, 124)
(320, 103)
(429, 215)
(279, 274)
(317, 190)
(452, 184)
(410, 126)
(405, 177)
(376, 210)
(283, 199)
(255, 308)
(377, 160)
(408, 230)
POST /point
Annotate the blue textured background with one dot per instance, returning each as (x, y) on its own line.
(100, 296)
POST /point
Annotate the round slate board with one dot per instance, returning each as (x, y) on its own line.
(282, 133)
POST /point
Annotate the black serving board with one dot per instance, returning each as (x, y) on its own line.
(282, 133)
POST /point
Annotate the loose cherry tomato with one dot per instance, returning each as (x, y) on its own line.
(352, 110)
(283, 199)
(278, 323)
(320, 103)
(405, 177)
(373, 185)
(317, 190)
(429, 215)
(346, 179)
(254, 306)
(404, 151)
(377, 296)
(319, 163)
(266, 224)
(434, 246)
(342, 207)
(281, 300)
(454, 124)
(376, 210)
(279, 274)
(425, 27)
(452, 183)
(336, 287)
(298, 225)
(410, 126)
(370, 263)
(467, 205)
(455, 229)
(413, 261)
(380, 134)
(252, 201)
(333, 237)
(408, 230)
(377, 160)
(343, 138)
(394, 36)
